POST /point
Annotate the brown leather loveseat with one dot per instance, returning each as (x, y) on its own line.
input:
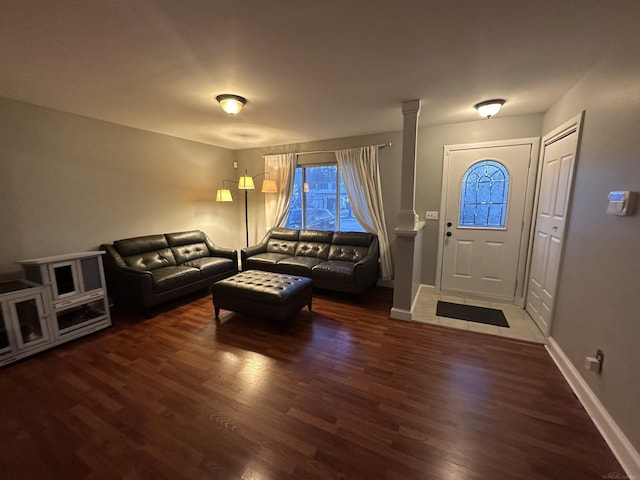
(142, 272)
(339, 261)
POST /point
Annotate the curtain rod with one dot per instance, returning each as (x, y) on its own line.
(382, 145)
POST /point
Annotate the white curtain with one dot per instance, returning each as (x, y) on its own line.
(282, 169)
(361, 175)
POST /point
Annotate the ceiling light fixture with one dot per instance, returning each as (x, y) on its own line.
(489, 108)
(231, 104)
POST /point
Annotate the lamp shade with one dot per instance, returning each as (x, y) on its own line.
(269, 186)
(224, 195)
(231, 104)
(489, 108)
(246, 183)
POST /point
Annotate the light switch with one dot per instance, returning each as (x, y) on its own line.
(431, 215)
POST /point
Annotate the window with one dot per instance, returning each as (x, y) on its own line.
(484, 194)
(319, 201)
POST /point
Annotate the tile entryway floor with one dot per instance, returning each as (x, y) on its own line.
(521, 326)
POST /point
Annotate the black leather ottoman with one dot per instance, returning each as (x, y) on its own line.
(275, 296)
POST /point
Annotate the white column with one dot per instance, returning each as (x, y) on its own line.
(408, 218)
(408, 257)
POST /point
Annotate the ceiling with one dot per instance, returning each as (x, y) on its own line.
(310, 70)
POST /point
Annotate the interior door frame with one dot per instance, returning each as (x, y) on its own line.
(567, 128)
(523, 253)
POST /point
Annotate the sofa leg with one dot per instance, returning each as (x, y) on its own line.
(309, 304)
(217, 310)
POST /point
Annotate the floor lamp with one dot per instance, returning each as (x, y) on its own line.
(246, 183)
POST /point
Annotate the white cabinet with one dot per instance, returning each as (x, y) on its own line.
(62, 298)
(24, 325)
(77, 290)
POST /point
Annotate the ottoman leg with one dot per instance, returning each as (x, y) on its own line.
(217, 309)
(309, 304)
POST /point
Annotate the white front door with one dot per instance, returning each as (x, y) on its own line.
(558, 162)
(485, 191)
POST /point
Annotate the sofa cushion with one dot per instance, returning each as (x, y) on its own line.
(210, 266)
(313, 249)
(284, 234)
(151, 260)
(300, 266)
(136, 245)
(334, 271)
(347, 253)
(358, 239)
(320, 236)
(167, 278)
(265, 260)
(191, 251)
(185, 238)
(285, 247)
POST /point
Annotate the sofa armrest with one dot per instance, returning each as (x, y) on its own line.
(366, 269)
(247, 252)
(126, 285)
(370, 259)
(216, 251)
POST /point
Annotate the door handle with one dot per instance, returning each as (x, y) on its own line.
(448, 234)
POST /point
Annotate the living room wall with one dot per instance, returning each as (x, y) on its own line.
(70, 183)
(431, 141)
(79, 182)
(598, 303)
(389, 158)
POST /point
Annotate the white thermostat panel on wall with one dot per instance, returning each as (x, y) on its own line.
(621, 203)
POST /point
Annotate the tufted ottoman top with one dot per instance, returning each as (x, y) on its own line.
(262, 287)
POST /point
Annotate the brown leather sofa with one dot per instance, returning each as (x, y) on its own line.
(339, 261)
(142, 272)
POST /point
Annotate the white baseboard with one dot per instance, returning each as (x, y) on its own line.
(400, 314)
(622, 448)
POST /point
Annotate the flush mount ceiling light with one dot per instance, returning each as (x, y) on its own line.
(232, 104)
(489, 108)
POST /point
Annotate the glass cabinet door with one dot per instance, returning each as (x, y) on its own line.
(64, 279)
(29, 315)
(5, 344)
(80, 315)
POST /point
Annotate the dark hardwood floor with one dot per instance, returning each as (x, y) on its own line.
(344, 393)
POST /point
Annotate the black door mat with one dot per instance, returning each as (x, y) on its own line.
(471, 313)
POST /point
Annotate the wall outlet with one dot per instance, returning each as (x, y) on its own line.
(431, 215)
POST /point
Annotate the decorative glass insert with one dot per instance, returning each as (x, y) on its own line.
(484, 194)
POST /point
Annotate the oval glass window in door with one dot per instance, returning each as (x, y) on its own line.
(483, 195)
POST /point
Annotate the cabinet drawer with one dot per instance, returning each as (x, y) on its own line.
(80, 315)
(59, 306)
